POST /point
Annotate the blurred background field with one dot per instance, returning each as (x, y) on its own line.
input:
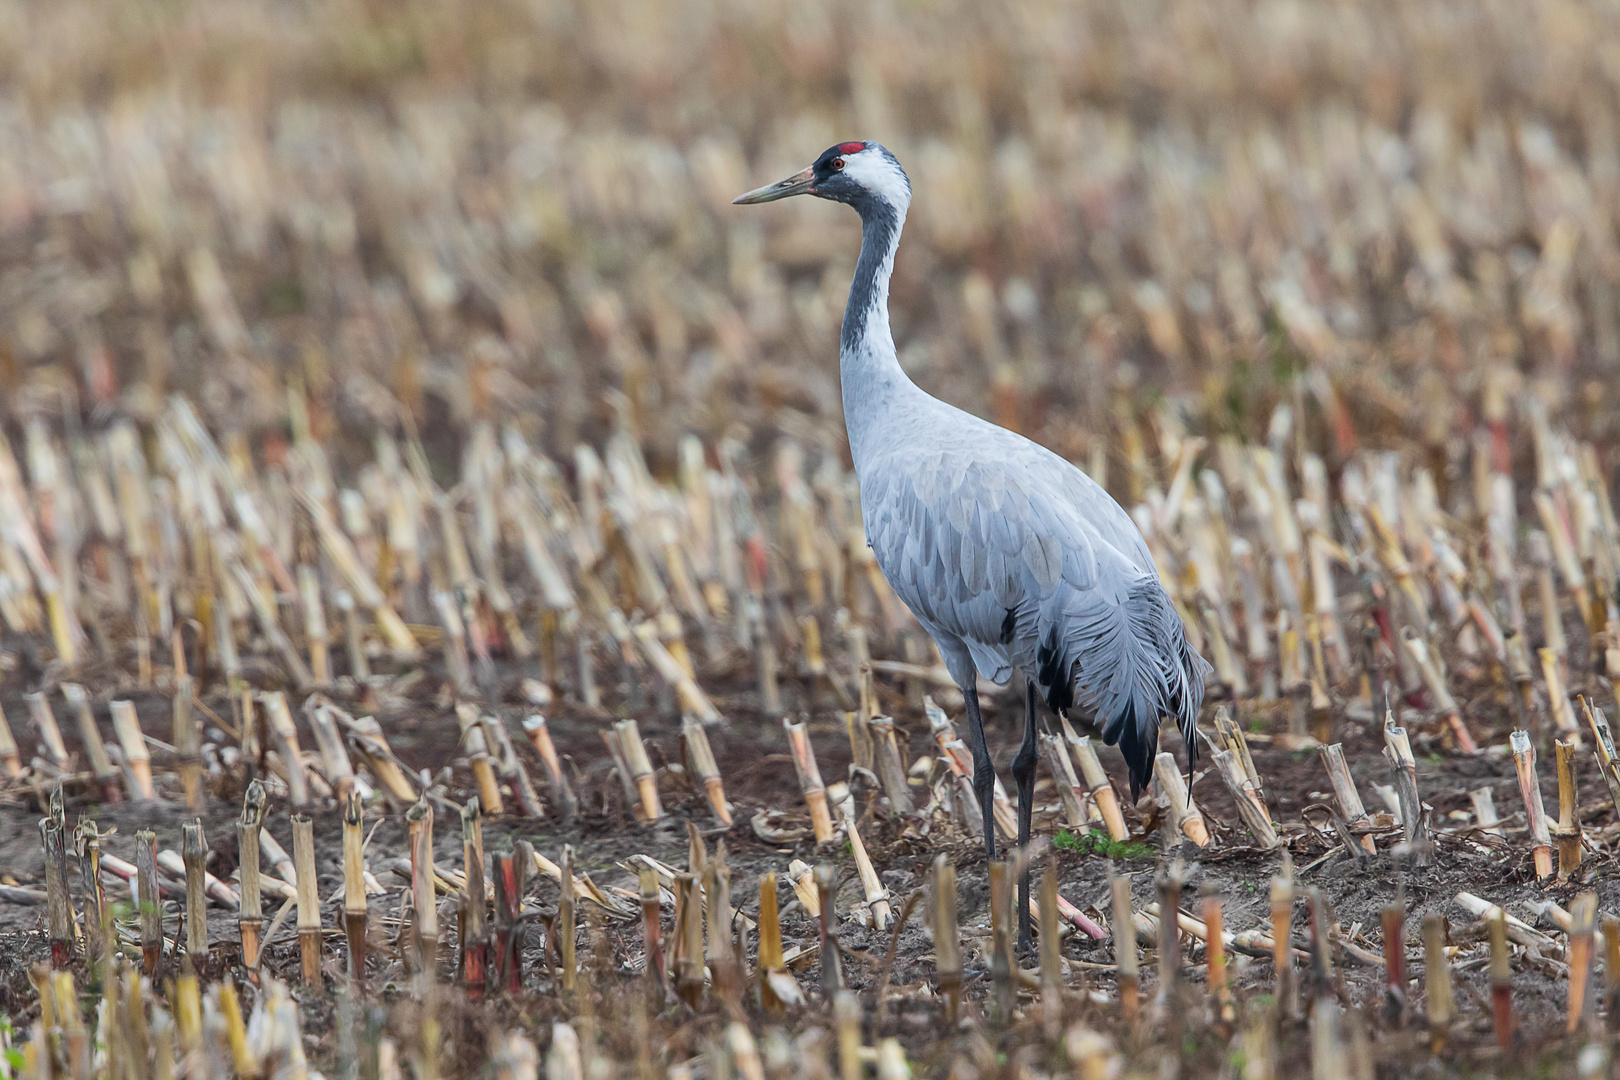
(520, 211)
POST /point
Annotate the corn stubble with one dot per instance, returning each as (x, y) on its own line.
(280, 423)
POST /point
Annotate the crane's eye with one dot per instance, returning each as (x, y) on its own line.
(837, 164)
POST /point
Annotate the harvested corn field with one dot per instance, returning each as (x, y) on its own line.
(437, 630)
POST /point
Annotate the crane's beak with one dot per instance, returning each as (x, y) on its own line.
(797, 184)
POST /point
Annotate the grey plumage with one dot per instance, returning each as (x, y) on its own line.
(1012, 558)
(1009, 556)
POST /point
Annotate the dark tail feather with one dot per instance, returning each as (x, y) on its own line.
(1139, 743)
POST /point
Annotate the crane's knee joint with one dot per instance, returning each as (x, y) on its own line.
(1023, 766)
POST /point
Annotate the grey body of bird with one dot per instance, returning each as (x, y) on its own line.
(1009, 556)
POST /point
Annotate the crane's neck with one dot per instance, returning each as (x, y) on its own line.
(869, 369)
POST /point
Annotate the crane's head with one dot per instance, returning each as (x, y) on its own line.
(857, 173)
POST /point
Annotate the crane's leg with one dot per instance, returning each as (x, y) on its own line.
(1023, 768)
(984, 772)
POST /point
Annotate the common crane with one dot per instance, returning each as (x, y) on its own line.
(1009, 556)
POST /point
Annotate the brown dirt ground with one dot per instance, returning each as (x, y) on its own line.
(758, 773)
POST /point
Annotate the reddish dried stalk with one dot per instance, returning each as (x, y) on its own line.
(1393, 918)
(1524, 762)
(474, 936)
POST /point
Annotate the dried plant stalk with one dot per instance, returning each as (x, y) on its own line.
(1345, 793)
(474, 933)
(1484, 804)
(1002, 962)
(58, 903)
(1167, 885)
(1102, 792)
(472, 740)
(721, 956)
(10, 757)
(1070, 792)
(424, 899)
(1282, 919)
(891, 770)
(847, 1031)
(688, 959)
(1398, 752)
(947, 940)
(1583, 923)
(133, 743)
(284, 734)
(771, 962)
(562, 793)
(1249, 807)
(1393, 919)
(860, 736)
(831, 953)
(187, 739)
(703, 763)
(1563, 713)
(1568, 829)
(1501, 977)
(251, 916)
(1051, 957)
(151, 914)
(100, 764)
(98, 925)
(1524, 761)
(44, 721)
(692, 697)
(354, 886)
(1603, 743)
(1125, 961)
(195, 850)
(323, 719)
(1444, 703)
(1220, 991)
(1437, 980)
(815, 792)
(876, 894)
(309, 899)
(640, 768)
(1184, 814)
